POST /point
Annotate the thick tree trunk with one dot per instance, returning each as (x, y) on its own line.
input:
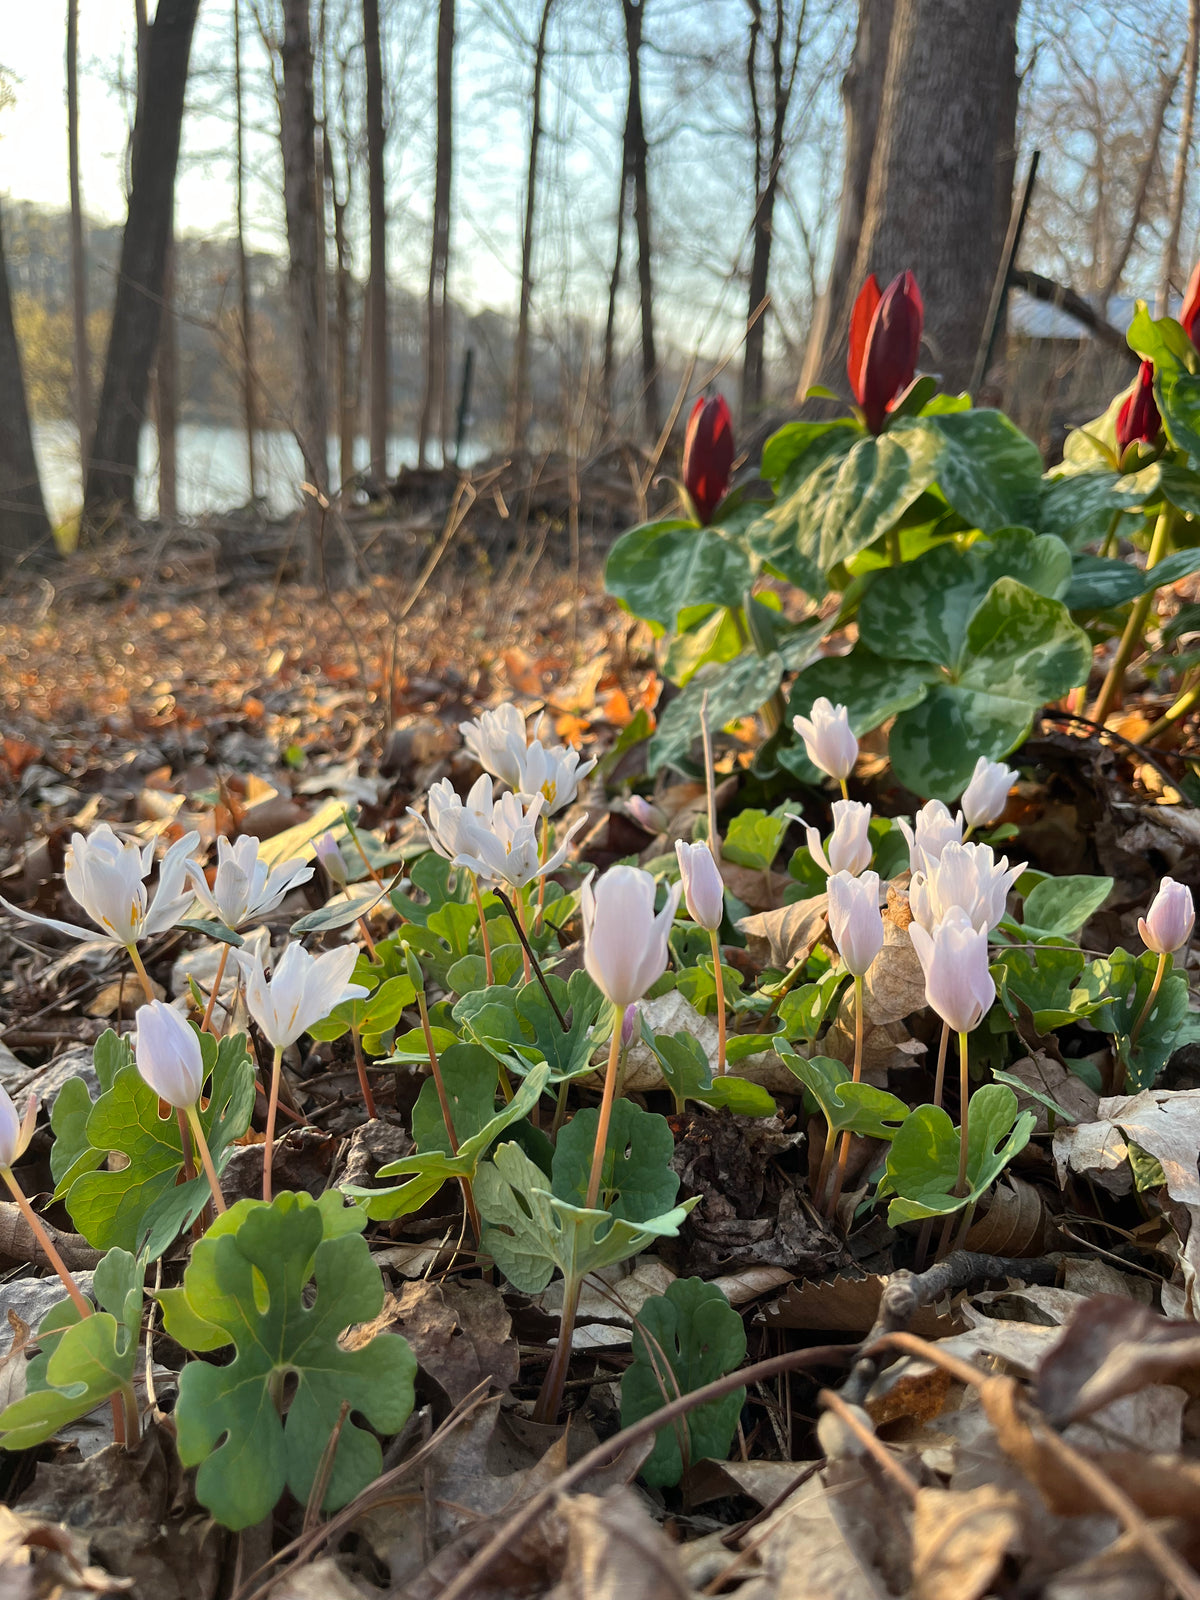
(636, 163)
(862, 97)
(24, 528)
(249, 395)
(83, 360)
(298, 138)
(379, 367)
(520, 394)
(1170, 262)
(941, 175)
(137, 313)
(434, 406)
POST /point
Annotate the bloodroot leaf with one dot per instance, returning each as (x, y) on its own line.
(250, 1283)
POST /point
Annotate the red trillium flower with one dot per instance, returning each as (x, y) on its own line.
(1138, 417)
(1190, 314)
(885, 339)
(708, 455)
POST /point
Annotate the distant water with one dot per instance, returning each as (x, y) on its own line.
(213, 471)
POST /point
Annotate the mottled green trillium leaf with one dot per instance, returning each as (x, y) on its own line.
(735, 689)
(922, 1164)
(847, 1107)
(141, 1207)
(661, 568)
(636, 1180)
(682, 1340)
(689, 1075)
(870, 687)
(529, 1231)
(1126, 980)
(82, 1361)
(250, 1282)
(426, 1172)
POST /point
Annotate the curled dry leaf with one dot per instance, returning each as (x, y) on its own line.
(787, 936)
(1113, 1347)
(1163, 1122)
(961, 1541)
(848, 1305)
(615, 1552)
(1015, 1222)
(460, 1334)
(1046, 1076)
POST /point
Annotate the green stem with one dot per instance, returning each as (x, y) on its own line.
(1179, 707)
(845, 791)
(127, 1399)
(139, 966)
(1109, 547)
(606, 1105)
(826, 1162)
(940, 1079)
(206, 1025)
(272, 1108)
(550, 1397)
(364, 1083)
(483, 932)
(895, 556)
(844, 1152)
(1136, 626)
(961, 1186)
(43, 1238)
(210, 1170)
(716, 954)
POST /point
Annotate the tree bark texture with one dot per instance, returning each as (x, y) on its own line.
(246, 330)
(379, 365)
(434, 406)
(941, 173)
(862, 99)
(166, 399)
(637, 165)
(137, 311)
(83, 362)
(520, 395)
(24, 528)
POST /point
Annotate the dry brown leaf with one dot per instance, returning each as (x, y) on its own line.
(787, 936)
(460, 1334)
(320, 1580)
(122, 994)
(961, 1541)
(809, 1550)
(1113, 1347)
(761, 891)
(615, 1552)
(1015, 1221)
(1050, 1077)
(1163, 1122)
(44, 1559)
(848, 1305)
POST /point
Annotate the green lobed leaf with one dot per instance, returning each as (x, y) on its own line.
(689, 1075)
(754, 836)
(1044, 980)
(1059, 907)
(636, 1180)
(922, 1163)
(372, 1014)
(229, 1418)
(1126, 980)
(682, 1340)
(846, 1106)
(518, 1025)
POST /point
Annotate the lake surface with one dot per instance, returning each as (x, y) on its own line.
(213, 472)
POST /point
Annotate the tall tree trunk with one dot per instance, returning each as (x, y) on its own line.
(166, 399)
(434, 406)
(520, 394)
(614, 286)
(137, 312)
(344, 376)
(249, 395)
(377, 293)
(941, 174)
(298, 139)
(83, 360)
(862, 98)
(24, 528)
(768, 159)
(637, 161)
(1170, 262)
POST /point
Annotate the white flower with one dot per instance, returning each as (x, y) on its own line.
(168, 1054)
(302, 990)
(107, 878)
(703, 888)
(967, 876)
(624, 943)
(15, 1134)
(504, 848)
(497, 739)
(850, 848)
(828, 739)
(1167, 926)
(954, 959)
(332, 859)
(855, 919)
(245, 887)
(447, 814)
(646, 814)
(985, 796)
(935, 829)
(553, 771)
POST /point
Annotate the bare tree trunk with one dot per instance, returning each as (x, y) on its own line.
(377, 398)
(24, 528)
(862, 97)
(298, 138)
(83, 360)
(343, 363)
(614, 287)
(941, 174)
(166, 399)
(249, 396)
(137, 313)
(636, 161)
(520, 394)
(434, 408)
(767, 163)
(1116, 267)
(1170, 262)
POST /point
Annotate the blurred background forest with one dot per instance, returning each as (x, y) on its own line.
(436, 235)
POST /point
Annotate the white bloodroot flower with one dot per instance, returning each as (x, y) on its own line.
(624, 943)
(167, 1053)
(855, 919)
(954, 959)
(15, 1133)
(850, 848)
(967, 876)
(303, 989)
(497, 740)
(986, 795)
(553, 771)
(1167, 925)
(703, 886)
(245, 887)
(329, 854)
(107, 878)
(935, 829)
(504, 848)
(828, 739)
(447, 813)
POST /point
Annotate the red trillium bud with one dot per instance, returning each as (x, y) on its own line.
(1138, 417)
(885, 340)
(708, 455)
(1190, 314)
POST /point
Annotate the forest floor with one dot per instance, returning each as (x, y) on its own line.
(152, 684)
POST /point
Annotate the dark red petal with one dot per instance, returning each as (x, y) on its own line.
(860, 325)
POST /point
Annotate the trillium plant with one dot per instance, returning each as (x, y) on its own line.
(549, 1021)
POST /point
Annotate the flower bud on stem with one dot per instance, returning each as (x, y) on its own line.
(716, 953)
(606, 1105)
(844, 1152)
